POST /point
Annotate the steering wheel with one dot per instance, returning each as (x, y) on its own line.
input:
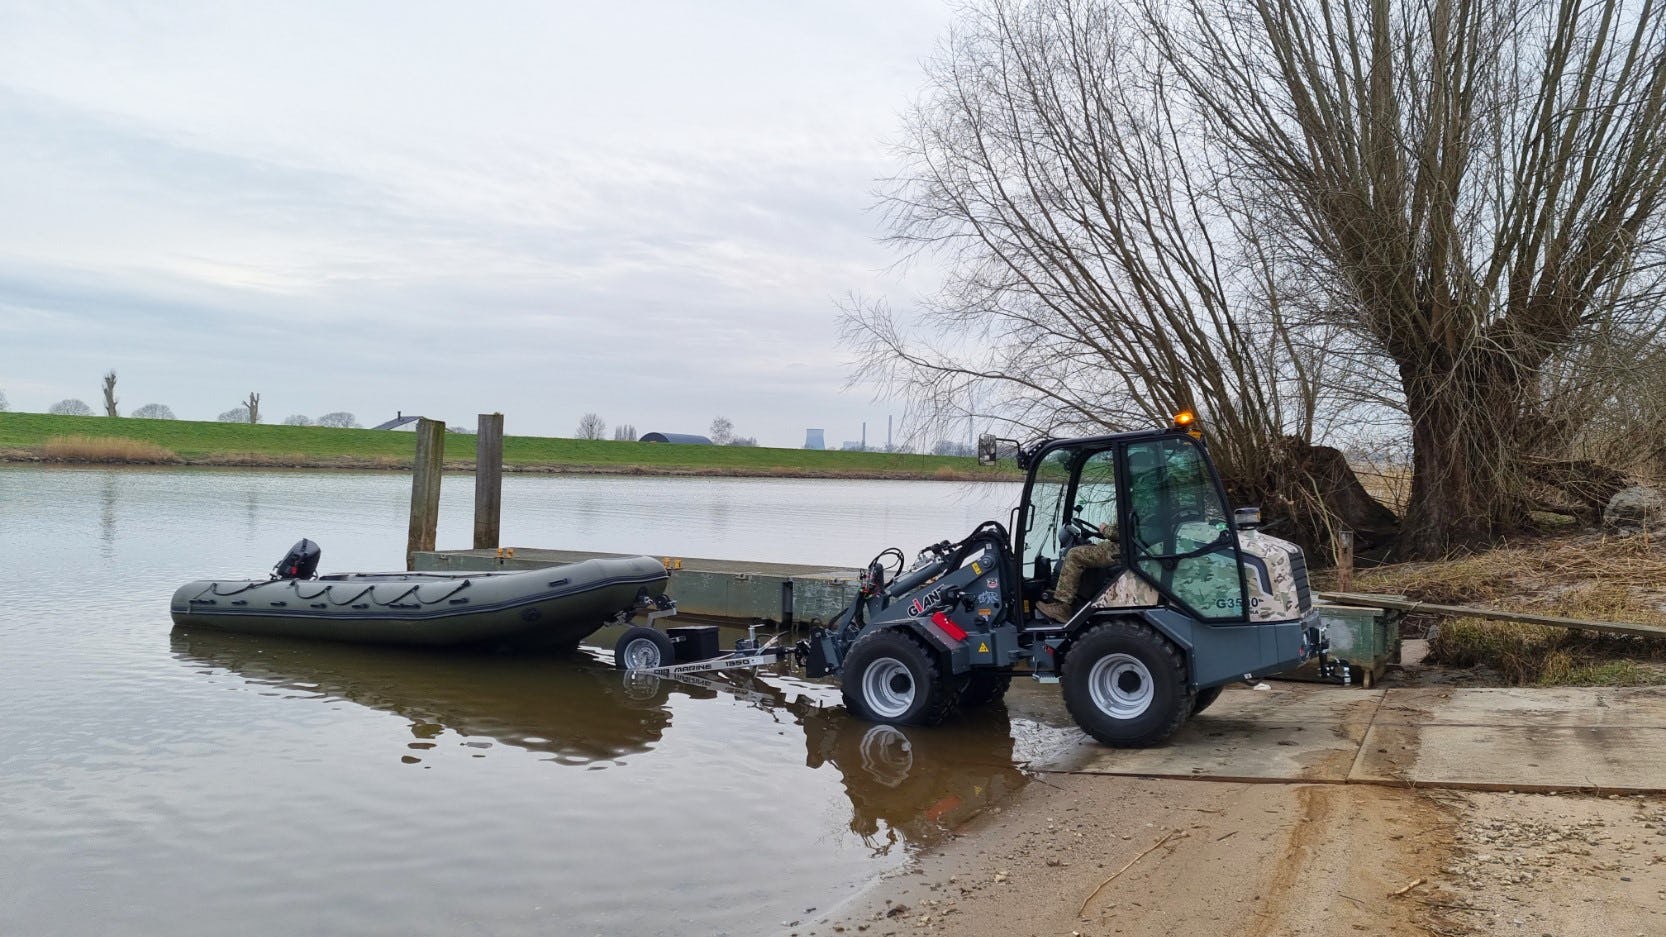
(1084, 528)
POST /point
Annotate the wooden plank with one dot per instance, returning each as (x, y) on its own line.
(1397, 603)
(425, 489)
(488, 481)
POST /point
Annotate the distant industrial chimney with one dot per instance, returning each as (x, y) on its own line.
(813, 439)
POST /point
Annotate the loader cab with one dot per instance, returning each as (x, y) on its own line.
(1160, 490)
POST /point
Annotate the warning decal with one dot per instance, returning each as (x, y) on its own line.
(983, 647)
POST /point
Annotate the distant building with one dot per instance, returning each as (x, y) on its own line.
(852, 445)
(813, 439)
(399, 420)
(686, 439)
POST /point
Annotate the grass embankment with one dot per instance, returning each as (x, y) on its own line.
(43, 437)
(1595, 578)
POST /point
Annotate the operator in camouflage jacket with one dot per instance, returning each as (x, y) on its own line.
(1101, 555)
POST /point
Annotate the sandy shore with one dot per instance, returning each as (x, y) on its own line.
(1278, 859)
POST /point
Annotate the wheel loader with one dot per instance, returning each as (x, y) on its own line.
(1193, 596)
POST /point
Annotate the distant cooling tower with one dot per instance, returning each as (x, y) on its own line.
(813, 439)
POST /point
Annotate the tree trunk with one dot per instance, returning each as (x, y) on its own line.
(1464, 486)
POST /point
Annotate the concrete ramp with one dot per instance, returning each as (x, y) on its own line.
(1604, 739)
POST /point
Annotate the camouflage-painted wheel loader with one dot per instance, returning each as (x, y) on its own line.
(1192, 596)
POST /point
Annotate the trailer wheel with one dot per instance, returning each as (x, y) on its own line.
(641, 648)
(1205, 699)
(1125, 685)
(982, 687)
(890, 677)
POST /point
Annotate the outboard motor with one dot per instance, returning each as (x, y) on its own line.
(301, 562)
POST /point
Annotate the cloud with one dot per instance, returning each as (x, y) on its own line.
(647, 212)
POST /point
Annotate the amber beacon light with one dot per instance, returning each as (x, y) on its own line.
(1187, 420)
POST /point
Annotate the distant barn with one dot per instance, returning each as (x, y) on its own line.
(687, 439)
(399, 421)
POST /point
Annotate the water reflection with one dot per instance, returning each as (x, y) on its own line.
(911, 786)
(906, 787)
(575, 712)
(107, 515)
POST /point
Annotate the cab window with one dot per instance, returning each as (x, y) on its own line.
(1047, 500)
(1181, 539)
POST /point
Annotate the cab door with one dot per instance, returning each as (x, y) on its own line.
(1179, 535)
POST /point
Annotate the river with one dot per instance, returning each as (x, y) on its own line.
(158, 783)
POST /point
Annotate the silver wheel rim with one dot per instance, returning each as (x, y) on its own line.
(888, 687)
(640, 686)
(887, 755)
(641, 654)
(1121, 686)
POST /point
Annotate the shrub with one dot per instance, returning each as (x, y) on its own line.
(70, 407)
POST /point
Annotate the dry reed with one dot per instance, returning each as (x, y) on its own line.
(1595, 578)
(107, 449)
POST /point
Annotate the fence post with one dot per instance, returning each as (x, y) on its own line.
(1344, 560)
(425, 488)
(488, 481)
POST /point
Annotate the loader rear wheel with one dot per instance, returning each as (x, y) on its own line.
(890, 677)
(1125, 685)
(981, 687)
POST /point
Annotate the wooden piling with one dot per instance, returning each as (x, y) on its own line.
(488, 481)
(1344, 560)
(425, 488)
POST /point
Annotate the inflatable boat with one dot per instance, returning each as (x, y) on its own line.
(552, 608)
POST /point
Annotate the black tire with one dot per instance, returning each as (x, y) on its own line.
(1204, 699)
(635, 649)
(890, 677)
(982, 687)
(1125, 685)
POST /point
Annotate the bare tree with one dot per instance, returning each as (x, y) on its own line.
(722, 431)
(110, 395)
(1307, 220)
(624, 432)
(153, 411)
(1480, 184)
(253, 406)
(237, 414)
(339, 419)
(744, 441)
(4, 406)
(590, 426)
(70, 407)
(297, 419)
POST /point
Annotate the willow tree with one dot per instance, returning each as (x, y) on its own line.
(1481, 182)
(110, 395)
(1283, 210)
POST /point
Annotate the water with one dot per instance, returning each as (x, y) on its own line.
(154, 783)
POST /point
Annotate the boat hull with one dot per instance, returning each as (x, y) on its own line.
(553, 607)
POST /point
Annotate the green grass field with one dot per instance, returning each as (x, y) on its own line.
(24, 436)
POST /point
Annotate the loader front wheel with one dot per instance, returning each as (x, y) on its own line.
(890, 677)
(1125, 685)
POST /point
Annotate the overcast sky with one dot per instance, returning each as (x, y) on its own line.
(644, 210)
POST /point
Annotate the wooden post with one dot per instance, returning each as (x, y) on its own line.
(488, 481)
(1344, 560)
(425, 488)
